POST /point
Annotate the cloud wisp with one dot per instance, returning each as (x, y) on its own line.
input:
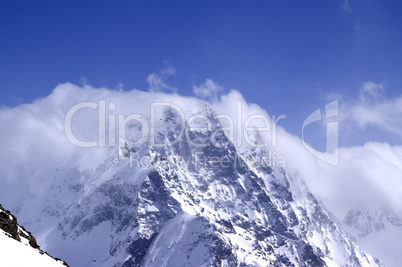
(346, 6)
(157, 80)
(209, 90)
(373, 109)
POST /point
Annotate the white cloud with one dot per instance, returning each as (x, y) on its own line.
(209, 90)
(368, 175)
(371, 91)
(373, 109)
(157, 80)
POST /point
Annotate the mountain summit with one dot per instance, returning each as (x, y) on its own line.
(177, 188)
(188, 203)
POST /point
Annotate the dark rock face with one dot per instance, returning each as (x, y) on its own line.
(138, 249)
(9, 224)
(311, 259)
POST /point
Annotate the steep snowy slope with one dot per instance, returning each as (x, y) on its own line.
(18, 247)
(17, 254)
(179, 204)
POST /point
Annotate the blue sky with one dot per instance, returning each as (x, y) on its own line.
(290, 57)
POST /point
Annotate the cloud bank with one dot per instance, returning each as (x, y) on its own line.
(34, 142)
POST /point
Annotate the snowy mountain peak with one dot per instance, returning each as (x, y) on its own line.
(187, 197)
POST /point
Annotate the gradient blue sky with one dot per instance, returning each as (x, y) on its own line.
(287, 56)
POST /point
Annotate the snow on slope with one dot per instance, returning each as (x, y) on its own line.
(17, 254)
(18, 247)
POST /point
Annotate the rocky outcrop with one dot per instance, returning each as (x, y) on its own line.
(9, 224)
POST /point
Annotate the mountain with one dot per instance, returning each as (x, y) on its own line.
(377, 230)
(18, 247)
(181, 198)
